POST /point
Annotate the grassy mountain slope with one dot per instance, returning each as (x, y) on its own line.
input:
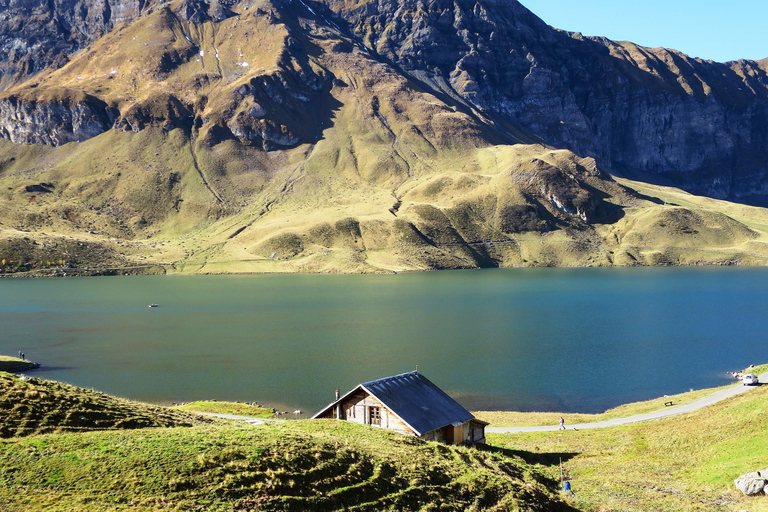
(268, 140)
(682, 463)
(303, 465)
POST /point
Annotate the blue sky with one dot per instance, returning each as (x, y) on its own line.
(717, 30)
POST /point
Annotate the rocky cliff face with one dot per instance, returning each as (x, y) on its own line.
(654, 114)
(34, 35)
(278, 110)
(67, 118)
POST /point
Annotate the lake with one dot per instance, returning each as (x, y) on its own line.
(573, 340)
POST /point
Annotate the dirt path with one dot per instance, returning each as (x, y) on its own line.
(710, 399)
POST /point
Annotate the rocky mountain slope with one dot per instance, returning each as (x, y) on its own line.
(35, 35)
(655, 114)
(273, 135)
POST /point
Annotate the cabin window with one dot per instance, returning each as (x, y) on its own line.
(374, 415)
(351, 411)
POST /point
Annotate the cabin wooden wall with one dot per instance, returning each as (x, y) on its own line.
(437, 435)
(355, 408)
(478, 432)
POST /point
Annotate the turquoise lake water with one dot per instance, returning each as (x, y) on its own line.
(526, 339)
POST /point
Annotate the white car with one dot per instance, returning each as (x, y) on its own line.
(750, 379)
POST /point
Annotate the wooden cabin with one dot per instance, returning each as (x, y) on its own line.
(409, 404)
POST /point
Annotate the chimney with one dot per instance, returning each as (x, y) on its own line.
(338, 407)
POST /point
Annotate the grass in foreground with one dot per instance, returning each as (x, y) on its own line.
(683, 463)
(235, 408)
(298, 465)
(68, 448)
(35, 406)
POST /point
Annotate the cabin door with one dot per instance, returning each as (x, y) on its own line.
(454, 435)
(449, 434)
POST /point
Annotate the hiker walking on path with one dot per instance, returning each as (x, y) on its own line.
(562, 423)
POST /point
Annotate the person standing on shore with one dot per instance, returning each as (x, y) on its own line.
(562, 423)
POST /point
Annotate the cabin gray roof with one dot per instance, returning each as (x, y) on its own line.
(416, 400)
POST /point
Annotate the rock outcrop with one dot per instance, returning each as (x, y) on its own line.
(67, 117)
(272, 111)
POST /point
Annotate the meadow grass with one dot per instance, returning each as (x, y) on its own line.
(298, 465)
(114, 460)
(526, 419)
(29, 405)
(681, 463)
(235, 408)
(67, 448)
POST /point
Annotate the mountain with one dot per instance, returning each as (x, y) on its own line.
(364, 136)
(653, 114)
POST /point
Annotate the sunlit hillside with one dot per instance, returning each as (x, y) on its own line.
(263, 138)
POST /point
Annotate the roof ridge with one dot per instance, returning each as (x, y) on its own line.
(391, 377)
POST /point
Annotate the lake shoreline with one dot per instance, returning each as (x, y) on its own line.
(162, 269)
(16, 365)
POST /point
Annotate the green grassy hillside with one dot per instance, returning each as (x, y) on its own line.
(235, 408)
(682, 463)
(30, 406)
(499, 206)
(113, 462)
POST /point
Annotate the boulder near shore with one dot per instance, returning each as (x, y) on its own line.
(753, 483)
